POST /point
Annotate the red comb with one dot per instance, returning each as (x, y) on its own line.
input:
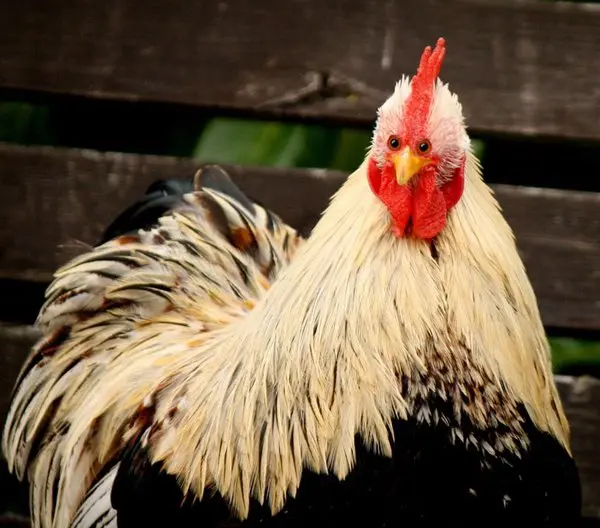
(418, 102)
(430, 65)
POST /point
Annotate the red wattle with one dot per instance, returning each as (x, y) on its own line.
(429, 208)
(374, 176)
(453, 189)
(397, 199)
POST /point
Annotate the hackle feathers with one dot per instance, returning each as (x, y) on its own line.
(238, 370)
(114, 320)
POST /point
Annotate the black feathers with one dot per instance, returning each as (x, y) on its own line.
(160, 198)
(214, 177)
(429, 481)
(164, 196)
(144, 495)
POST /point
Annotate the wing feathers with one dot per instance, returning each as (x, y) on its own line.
(97, 511)
(114, 322)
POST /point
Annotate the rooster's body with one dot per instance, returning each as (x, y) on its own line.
(389, 376)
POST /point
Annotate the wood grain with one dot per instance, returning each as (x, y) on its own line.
(558, 235)
(580, 396)
(519, 67)
(581, 399)
(56, 202)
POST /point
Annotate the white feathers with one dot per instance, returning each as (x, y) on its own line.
(389, 119)
(319, 360)
(351, 335)
(97, 511)
(116, 319)
(444, 128)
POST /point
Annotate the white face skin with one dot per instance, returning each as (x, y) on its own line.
(445, 128)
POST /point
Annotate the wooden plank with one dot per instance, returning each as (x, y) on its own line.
(581, 398)
(580, 395)
(58, 201)
(10, 520)
(519, 67)
(558, 235)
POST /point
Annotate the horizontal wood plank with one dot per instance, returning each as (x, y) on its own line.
(581, 398)
(558, 236)
(518, 67)
(10, 520)
(580, 395)
(56, 202)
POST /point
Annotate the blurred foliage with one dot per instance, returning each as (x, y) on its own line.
(279, 144)
(216, 139)
(575, 356)
(226, 140)
(25, 123)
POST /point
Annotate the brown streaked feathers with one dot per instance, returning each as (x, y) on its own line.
(240, 357)
(186, 277)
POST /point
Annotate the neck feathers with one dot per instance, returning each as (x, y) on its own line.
(492, 307)
(357, 331)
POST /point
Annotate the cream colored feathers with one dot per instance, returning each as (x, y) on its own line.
(238, 379)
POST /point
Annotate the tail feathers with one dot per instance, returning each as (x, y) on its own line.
(43, 476)
(214, 177)
(140, 300)
(42, 387)
(160, 198)
(38, 403)
(165, 196)
(96, 511)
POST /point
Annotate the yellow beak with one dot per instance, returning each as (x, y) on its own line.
(407, 165)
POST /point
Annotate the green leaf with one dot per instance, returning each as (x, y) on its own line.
(351, 149)
(25, 123)
(568, 353)
(478, 148)
(238, 141)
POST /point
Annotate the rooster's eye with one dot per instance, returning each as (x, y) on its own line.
(393, 143)
(424, 147)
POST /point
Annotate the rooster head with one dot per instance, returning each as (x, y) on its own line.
(417, 158)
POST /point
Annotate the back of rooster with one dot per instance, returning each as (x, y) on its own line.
(206, 366)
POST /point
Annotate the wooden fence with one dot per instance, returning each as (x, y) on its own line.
(523, 71)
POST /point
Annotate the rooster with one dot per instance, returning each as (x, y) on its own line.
(207, 366)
